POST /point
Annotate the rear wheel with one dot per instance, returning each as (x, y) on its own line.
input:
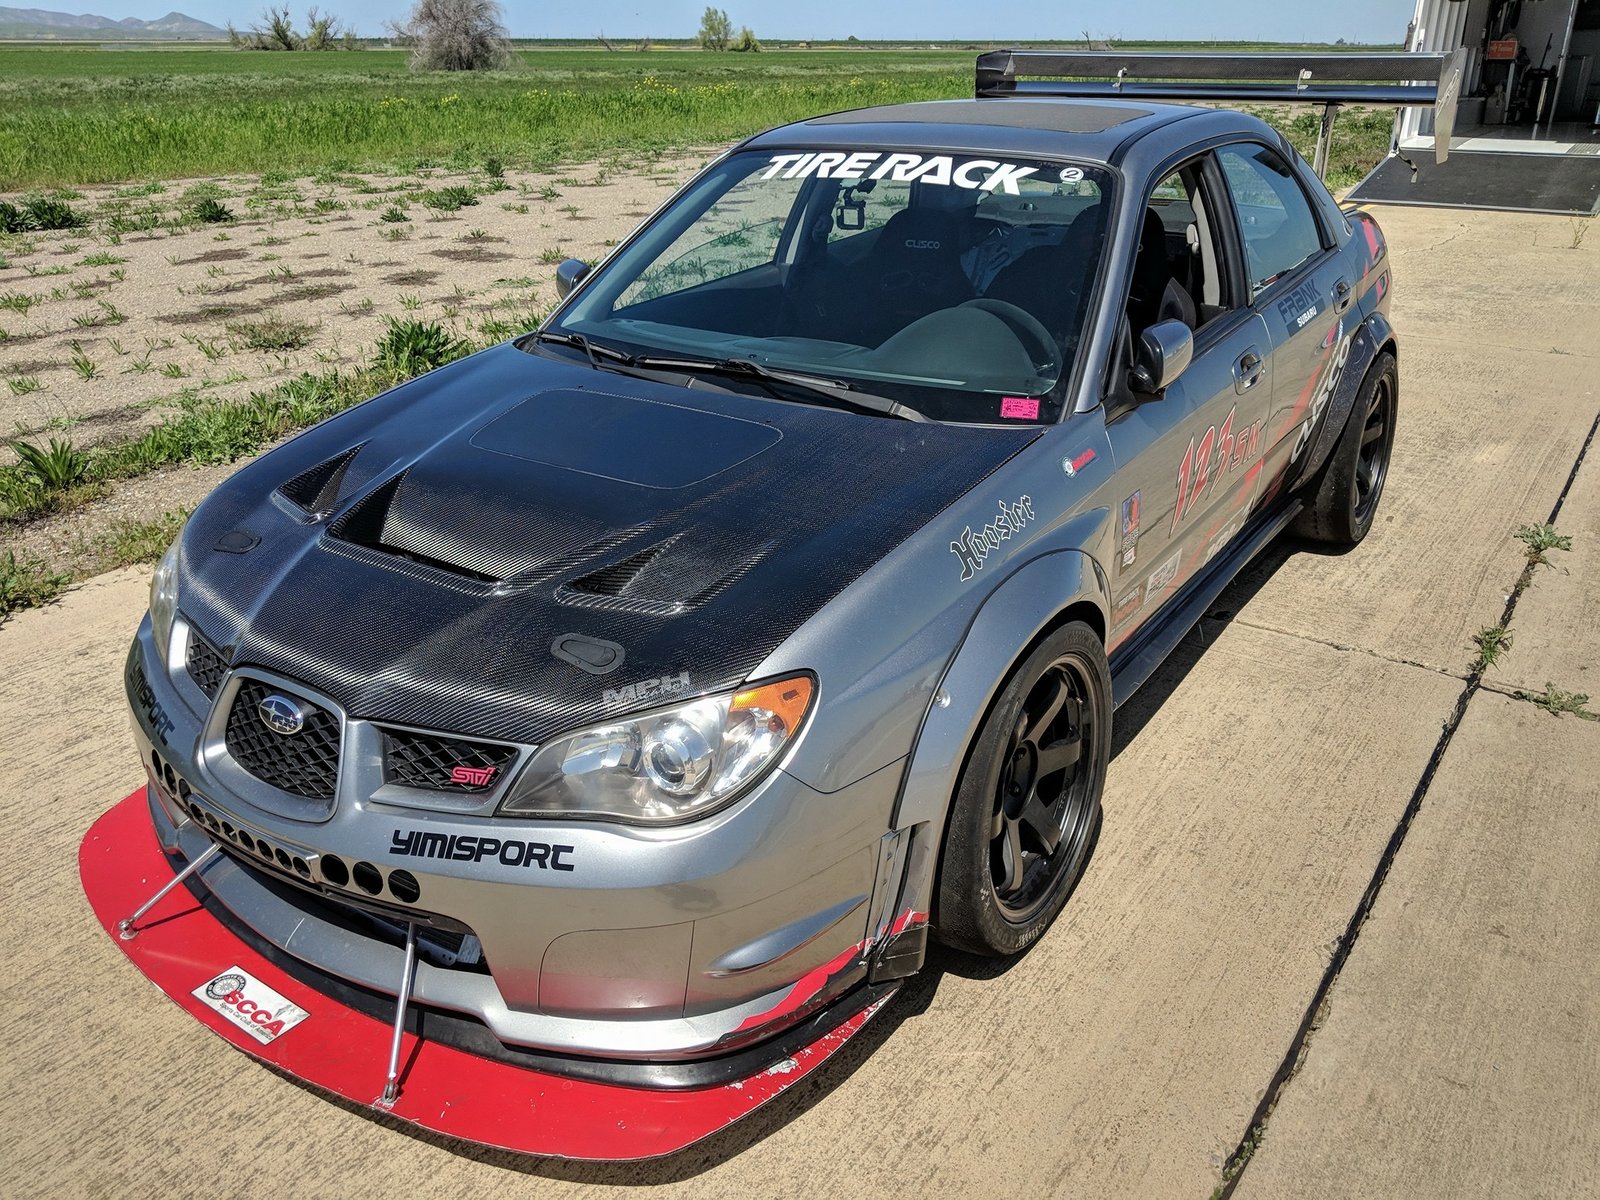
(1342, 501)
(1028, 806)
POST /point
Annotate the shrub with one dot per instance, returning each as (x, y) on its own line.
(38, 213)
(456, 35)
(56, 468)
(449, 199)
(211, 211)
(27, 583)
(413, 347)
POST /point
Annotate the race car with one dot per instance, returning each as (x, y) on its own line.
(617, 712)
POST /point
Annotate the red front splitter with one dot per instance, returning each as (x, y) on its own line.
(179, 946)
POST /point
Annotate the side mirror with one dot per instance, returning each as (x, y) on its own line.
(1164, 352)
(569, 274)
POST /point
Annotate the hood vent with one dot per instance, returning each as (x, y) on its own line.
(316, 489)
(656, 582)
(370, 523)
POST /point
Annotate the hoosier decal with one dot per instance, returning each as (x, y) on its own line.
(971, 548)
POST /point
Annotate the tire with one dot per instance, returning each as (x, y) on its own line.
(1342, 500)
(1056, 707)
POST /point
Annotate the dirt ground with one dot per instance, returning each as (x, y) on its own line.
(1315, 737)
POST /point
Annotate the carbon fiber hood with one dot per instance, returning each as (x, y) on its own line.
(456, 553)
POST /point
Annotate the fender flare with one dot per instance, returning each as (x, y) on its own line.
(1367, 342)
(1012, 617)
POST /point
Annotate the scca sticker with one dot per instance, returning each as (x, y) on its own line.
(980, 174)
(250, 1004)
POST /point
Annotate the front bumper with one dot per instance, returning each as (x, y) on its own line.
(181, 945)
(657, 945)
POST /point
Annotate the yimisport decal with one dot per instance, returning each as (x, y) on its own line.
(250, 1004)
(160, 723)
(1219, 453)
(508, 852)
(971, 548)
(982, 174)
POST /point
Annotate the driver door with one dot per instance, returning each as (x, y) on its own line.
(1192, 455)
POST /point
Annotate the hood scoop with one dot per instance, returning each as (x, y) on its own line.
(315, 491)
(665, 579)
(374, 523)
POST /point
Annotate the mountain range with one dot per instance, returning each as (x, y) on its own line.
(41, 24)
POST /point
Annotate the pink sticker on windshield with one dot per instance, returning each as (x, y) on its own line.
(1021, 408)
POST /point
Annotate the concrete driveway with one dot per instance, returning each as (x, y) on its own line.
(1343, 892)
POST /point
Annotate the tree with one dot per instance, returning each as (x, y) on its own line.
(455, 35)
(747, 43)
(715, 29)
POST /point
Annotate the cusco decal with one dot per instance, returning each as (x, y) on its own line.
(1218, 453)
(1341, 347)
(971, 548)
(250, 1004)
(510, 852)
(981, 174)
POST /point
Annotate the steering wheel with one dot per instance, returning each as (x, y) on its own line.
(1035, 338)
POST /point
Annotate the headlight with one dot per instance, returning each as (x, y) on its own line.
(164, 598)
(666, 766)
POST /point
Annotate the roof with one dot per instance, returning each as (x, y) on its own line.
(1084, 129)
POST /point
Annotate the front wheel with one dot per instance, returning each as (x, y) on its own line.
(1027, 808)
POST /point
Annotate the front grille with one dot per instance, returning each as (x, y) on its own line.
(443, 764)
(304, 763)
(205, 664)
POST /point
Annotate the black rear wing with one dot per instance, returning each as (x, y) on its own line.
(1331, 80)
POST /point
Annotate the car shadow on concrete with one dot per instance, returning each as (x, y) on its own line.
(910, 1002)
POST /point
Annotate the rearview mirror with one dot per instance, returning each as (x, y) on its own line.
(569, 274)
(1163, 354)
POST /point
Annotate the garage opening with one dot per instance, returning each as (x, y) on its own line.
(1527, 130)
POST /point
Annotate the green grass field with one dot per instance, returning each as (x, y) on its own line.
(71, 116)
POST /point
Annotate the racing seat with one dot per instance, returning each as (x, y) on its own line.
(913, 268)
(1156, 294)
(1047, 280)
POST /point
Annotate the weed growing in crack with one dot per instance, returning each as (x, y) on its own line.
(1538, 539)
(1493, 643)
(1558, 702)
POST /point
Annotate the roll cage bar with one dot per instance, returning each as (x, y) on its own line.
(1330, 80)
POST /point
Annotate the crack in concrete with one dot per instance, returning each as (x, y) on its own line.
(1316, 1012)
(1333, 645)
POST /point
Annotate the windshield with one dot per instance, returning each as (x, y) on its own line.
(955, 285)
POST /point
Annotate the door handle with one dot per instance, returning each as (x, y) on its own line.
(1247, 371)
(1342, 295)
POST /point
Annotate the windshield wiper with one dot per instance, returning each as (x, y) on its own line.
(594, 350)
(836, 392)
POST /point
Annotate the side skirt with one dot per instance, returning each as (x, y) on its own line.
(1136, 660)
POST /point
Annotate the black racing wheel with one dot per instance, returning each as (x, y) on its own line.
(1027, 809)
(1030, 331)
(1342, 500)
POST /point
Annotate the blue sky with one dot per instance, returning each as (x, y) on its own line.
(930, 20)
